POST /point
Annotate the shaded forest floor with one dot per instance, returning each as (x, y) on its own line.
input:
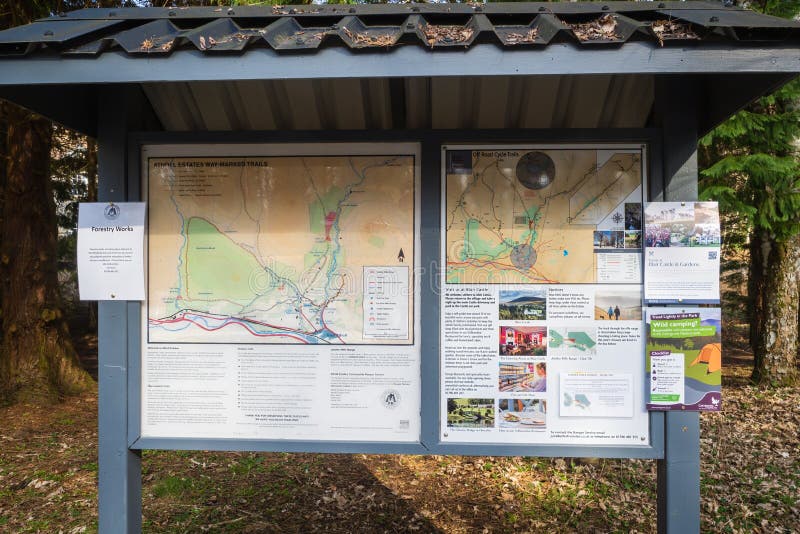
(750, 480)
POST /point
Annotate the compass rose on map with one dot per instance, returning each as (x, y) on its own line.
(617, 217)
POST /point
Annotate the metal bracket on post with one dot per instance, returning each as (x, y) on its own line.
(677, 109)
(119, 468)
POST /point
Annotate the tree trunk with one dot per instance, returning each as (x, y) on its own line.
(38, 362)
(3, 159)
(3, 165)
(756, 279)
(777, 345)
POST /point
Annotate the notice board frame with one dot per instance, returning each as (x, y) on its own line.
(431, 143)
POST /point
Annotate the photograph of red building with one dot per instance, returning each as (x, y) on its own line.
(523, 340)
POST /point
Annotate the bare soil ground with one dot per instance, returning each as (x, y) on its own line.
(750, 480)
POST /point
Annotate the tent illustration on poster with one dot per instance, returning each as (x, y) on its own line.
(710, 354)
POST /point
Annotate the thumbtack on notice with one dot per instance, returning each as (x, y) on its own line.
(111, 250)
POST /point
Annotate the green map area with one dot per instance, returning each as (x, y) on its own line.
(577, 340)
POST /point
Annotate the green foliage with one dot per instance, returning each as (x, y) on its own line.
(750, 161)
(751, 164)
(786, 9)
(172, 486)
(18, 12)
(231, 3)
(69, 179)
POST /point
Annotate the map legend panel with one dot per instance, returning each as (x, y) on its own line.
(619, 268)
(386, 302)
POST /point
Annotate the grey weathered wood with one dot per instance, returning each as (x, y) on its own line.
(119, 468)
(322, 10)
(678, 499)
(677, 103)
(677, 109)
(409, 61)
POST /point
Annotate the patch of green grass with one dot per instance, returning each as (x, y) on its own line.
(90, 466)
(276, 468)
(172, 487)
(65, 421)
(182, 517)
(788, 500)
(283, 488)
(36, 525)
(247, 464)
(247, 491)
(771, 468)
(3, 520)
(46, 475)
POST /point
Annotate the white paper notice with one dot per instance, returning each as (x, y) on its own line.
(110, 251)
(596, 394)
(682, 252)
(688, 275)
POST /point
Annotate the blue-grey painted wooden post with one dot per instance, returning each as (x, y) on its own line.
(679, 470)
(120, 481)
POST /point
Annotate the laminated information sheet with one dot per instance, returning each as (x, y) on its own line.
(110, 250)
(542, 330)
(682, 253)
(684, 358)
(281, 292)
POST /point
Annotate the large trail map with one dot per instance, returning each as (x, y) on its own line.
(275, 249)
(532, 216)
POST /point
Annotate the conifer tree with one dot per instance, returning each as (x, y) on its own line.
(752, 168)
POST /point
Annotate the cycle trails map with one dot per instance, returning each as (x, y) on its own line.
(540, 215)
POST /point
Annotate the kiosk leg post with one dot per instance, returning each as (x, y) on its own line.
(676, 111)
(119, 468)
(679, 475)
(120, 481)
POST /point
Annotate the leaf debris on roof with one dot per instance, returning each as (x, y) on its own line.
(672, 29)
(366, 39)
(447, 34)
(522, 38)
(92, 32)
(601, 29)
